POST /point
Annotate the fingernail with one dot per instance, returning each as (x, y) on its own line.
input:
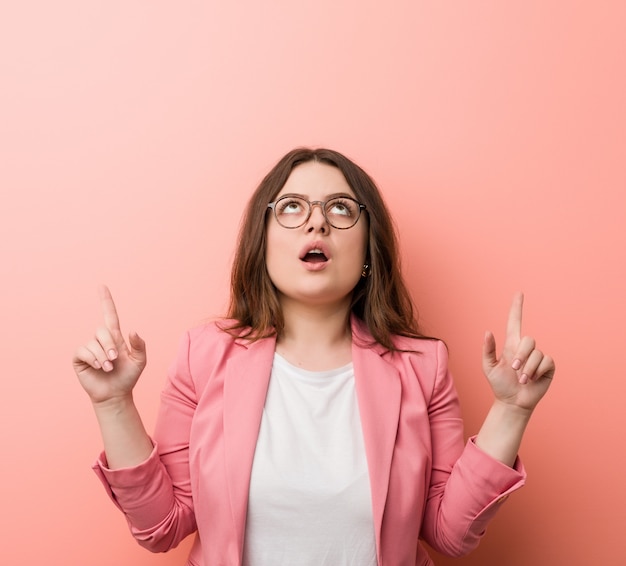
(523, 379)
(516, 364)
(107, 366)
(112, 354)
(96, 364)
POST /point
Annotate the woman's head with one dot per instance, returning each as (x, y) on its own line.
(379, 298)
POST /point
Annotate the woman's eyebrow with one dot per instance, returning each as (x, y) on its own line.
(327, 197)
(298, 195)
(338, 195)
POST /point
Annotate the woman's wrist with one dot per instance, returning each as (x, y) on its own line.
(501, 433)
(114, 405)
(511, 412)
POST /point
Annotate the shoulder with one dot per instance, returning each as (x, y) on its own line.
(222, 336)
(420, 346)
(212, 330)
(426, 357)
(406, 347)
(210, 341)
(423, 358)
(423, 362)
(207, 349)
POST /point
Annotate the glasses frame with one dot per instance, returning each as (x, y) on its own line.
(322, 205)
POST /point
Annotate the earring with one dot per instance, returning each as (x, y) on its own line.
(366, 270)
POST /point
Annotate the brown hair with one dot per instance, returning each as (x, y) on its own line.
(380, 299)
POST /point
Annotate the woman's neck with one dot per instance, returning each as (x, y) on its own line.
(316, 337)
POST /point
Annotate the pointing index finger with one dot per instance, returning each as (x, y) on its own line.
(111, 320)
(514, 324)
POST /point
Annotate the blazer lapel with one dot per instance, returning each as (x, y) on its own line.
(245, 388)
(379, 393)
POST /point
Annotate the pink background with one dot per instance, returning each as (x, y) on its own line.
(131, 134)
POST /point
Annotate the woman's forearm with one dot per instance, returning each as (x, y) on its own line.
(501, 433)
(126, 442)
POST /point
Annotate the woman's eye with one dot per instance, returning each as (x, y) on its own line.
(291, 207)
(340, 209)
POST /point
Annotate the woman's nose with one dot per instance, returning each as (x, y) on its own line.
(317, 220)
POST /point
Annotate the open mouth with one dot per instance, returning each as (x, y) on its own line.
(315, 256)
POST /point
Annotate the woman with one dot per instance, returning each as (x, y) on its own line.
(314, 425)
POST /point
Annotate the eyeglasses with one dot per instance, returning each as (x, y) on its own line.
(340, 212)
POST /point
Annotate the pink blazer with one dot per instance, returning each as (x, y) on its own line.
(425, 481)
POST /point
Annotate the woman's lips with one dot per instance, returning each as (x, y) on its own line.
(315, 265)
(315, 256)
(314, 252)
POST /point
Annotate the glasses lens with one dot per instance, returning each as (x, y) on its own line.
(291, 212)
(342, 212)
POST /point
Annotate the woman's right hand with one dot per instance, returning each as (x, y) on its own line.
(107, 367)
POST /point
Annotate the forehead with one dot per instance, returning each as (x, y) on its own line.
(316, 180)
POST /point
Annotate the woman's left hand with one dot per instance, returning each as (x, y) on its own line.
(522, 374)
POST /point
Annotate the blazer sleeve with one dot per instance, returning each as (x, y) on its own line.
(155, 496)
(467, 486)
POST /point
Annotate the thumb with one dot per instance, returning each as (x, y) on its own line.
(489, 351)
(137, 347)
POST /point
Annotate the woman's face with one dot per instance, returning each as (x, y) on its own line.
(294, 262)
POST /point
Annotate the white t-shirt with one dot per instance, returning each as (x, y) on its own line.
(310, 500)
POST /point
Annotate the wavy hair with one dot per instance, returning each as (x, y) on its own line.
(380, 299)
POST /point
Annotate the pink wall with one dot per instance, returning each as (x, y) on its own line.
(131, 132)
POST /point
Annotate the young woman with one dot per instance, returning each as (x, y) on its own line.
(315, 425)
